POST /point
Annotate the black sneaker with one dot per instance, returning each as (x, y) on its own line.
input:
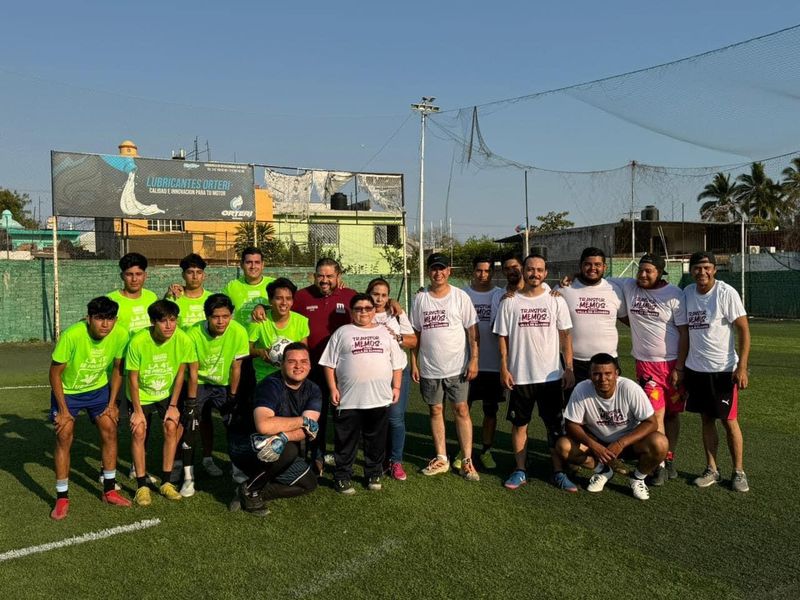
(672, 472)
(374, 483)
(344, 486)
(659, 477)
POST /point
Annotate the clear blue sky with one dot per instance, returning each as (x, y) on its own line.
(326, 84)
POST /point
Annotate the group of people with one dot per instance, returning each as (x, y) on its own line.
(274, 361)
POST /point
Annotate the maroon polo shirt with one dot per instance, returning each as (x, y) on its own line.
(325, 315)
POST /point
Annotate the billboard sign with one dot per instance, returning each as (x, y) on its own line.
(109, 185)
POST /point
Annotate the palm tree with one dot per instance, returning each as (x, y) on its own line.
(791, 190)
(761, 198)
(723, 208)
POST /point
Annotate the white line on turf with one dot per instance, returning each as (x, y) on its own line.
(23, 387)
(79, 539)
(353, 565)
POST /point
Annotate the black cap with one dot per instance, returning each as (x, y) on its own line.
(438, 260)
(701, 257)
(657, 261)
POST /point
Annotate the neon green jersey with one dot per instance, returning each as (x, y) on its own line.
(215, 355)
(266, 333)
(132, 314)
(157, 364)
(87, 359)
(191, 309)
(246, 297)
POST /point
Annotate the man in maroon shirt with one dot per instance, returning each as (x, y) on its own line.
(327, 307)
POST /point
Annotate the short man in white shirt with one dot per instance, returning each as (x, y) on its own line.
(486, 387)
(532, 325)
(446, 360)
(660, 341)
(714, 371)
(609, 418)
(594, 307)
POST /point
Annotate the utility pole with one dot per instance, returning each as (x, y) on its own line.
(527, 219)
(424, 108)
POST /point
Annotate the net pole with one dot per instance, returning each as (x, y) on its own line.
(743, 241)
(56, 287)
(404, 237)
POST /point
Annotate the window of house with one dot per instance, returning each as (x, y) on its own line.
(386, 235)
(164, 225)
(323, 233)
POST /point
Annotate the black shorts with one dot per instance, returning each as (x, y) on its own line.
(712, 394)
(486, 387)
(208, 397)
(550, 399)
(159, 407)
(581, 369)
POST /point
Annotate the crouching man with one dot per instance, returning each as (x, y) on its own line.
(610, 418)
(266, 439)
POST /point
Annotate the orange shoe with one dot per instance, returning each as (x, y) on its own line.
(61, 509)
(115, 499)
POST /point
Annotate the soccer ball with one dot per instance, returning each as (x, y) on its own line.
(275, 352)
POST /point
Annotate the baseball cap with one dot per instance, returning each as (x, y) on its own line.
(438, 260)
(701, 257)
(657, 261)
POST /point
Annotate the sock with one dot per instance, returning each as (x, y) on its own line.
(141, 482)
(62, 488)
(670, 456)
(188, 473)
(442, 457)
(166, 477)
(602, 468)
(662, 464)
(637, 474)
(208, 460)
(486, 448)
(109, 480)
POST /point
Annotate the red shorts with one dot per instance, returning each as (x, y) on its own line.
(654, 379)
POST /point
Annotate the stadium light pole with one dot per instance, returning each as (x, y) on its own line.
(424, 108)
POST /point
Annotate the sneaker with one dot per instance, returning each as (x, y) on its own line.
(211, 468)
(374, 484)
(235, 505)
(457, 461)
(238, 475)
(397, 471)
(60, 510)
(708, 478)
(142, 497)
(659, 477)
(468, 471)
(516, 480)
(487, 460)
(437, 466)
(563, 482)
(169, 492)
(639, 488)
(599, 481)
(329, 460)
(115, 499)
(187, 489)
(739, 482)
(344, 486)
(672, 472)
(101, 479)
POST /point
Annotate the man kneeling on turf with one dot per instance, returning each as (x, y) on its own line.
(609, 418)
(265, 440)
(156, 361)
(79, 379)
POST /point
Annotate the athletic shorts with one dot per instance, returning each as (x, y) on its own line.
(208, 397)
(436, 391)
(549, 397)
(712, 394)
(487, 387)
(159, 407)
(581, 369)
(654, 379)
(94, 403)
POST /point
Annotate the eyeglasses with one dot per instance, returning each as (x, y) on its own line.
(363, 308)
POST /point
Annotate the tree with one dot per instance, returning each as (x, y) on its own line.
(724, 206)
(15, 202)
(759, 197)
(267, 242)
(553, 221)
(791, 192)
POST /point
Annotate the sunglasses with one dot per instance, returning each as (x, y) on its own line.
(363, 308)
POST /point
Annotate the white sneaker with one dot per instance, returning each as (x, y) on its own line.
(187, 489)
(238, 475)
(639, 488)
(211, 468)
(599, 480)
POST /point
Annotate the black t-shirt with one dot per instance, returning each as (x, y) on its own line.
(274, 394)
